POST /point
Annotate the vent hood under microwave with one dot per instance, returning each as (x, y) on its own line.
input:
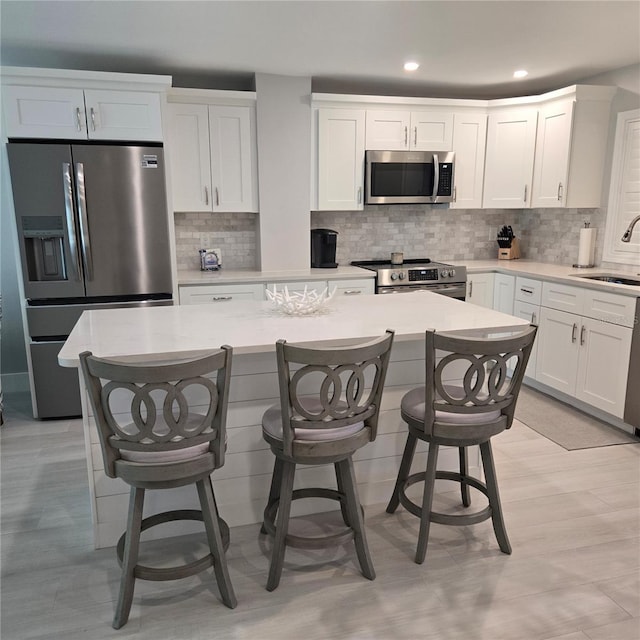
(409, 177)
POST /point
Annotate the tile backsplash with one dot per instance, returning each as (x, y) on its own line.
(547, 235)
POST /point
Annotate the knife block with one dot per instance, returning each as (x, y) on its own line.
(510, 253)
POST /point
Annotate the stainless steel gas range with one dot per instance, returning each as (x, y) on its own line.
(417, 274)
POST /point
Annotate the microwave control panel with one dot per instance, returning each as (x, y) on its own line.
(446, 179)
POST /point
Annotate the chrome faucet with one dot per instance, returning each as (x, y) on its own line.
(626, 237)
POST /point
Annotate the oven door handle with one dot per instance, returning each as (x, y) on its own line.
(436, 176)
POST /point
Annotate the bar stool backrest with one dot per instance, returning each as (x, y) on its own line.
(143, 409)
(334, 387)
(490, 373)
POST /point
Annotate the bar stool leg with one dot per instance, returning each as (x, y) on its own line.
(427, 501)
(343, 504)
(348, 479)
(130, 557)
(494, 497)
(464, 472)
(214, 537)
(282, 525)
(274, 491)
(403, 472)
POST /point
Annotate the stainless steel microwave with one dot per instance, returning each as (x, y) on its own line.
(408, 177)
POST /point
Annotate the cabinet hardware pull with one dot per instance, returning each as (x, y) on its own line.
(529, 291)
(78, 120)
(470, 288)
(217, 198)
(93, 119)
(221, 298)
(406, 135)
(560, 191)
(359, 195)
(351, 292)
(525, 192)
(573, 332)
(533, 317)
(455, 194)
(582, 330)
(206, 195)
(415, 136)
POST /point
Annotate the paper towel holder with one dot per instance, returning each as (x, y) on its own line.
(591, 265)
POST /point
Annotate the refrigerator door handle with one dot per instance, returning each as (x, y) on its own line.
(71, 227)
(85, 240)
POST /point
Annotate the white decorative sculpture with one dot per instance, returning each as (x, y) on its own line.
(300, 303)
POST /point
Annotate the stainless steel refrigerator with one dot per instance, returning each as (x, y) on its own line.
(93, 233)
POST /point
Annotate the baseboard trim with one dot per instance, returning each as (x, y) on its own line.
(15, 382)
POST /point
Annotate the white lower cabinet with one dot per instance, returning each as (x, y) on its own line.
(531, 313)
(220, 293)
(584, 357)
(504, 287)
(360, 286)
(480, 289)
(297, 287)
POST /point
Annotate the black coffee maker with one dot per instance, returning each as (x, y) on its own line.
(323, 248)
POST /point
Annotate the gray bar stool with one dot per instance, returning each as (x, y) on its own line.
(152, 439)
(472, 413)
(329, 407)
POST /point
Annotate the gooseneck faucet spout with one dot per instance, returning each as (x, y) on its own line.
(627, 234)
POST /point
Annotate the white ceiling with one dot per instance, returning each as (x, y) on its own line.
(466, 49)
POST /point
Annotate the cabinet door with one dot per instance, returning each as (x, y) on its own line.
(558, 349)
(388, 130)
(511, 138)
(504, 288)
(233, 158)
(551, 166)
(123, 115)
(480, 289)
(340, 159)
(603, 365)
(431, 131)
(469, 143)
(189, 156)
(44, 112)
(531, 313)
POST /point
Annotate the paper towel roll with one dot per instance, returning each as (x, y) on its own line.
(586, 247)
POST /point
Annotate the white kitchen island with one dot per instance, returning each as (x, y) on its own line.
(252, 328)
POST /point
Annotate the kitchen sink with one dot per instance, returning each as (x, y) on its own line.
(616, 279)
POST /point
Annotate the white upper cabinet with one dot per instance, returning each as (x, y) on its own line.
(213, 157)
(511, 139)
(469, 143)
(551, 165)
(409, 130)
(340, 159)
(77, 114)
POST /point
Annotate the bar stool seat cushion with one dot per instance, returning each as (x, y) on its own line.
(412, 405)
(272, 424)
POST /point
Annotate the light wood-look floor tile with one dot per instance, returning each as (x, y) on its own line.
(573, 518)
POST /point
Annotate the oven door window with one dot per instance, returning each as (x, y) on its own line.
(389, 179)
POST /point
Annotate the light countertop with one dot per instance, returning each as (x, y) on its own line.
(235, 276)
(251, 326)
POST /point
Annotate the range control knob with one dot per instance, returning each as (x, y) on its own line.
(452, 272)
(401, 275)
(394, 276)
(444, 273)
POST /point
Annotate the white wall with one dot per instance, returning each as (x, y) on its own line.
(284, 171)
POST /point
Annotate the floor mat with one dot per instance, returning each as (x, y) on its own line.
(566, 425)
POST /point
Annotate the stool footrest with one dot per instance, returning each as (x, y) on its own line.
(179, 571)
(443, 518)
(309, 542)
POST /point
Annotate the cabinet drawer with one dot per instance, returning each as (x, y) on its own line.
(360, 286)
(609, 307)
(527, 311)
(292, 287)
(562, 297)
(528, 290)
(214, 294)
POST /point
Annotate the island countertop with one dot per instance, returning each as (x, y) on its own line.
(254, 326)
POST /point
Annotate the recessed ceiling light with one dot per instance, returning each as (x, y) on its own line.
(521, 73)
(411, 66)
